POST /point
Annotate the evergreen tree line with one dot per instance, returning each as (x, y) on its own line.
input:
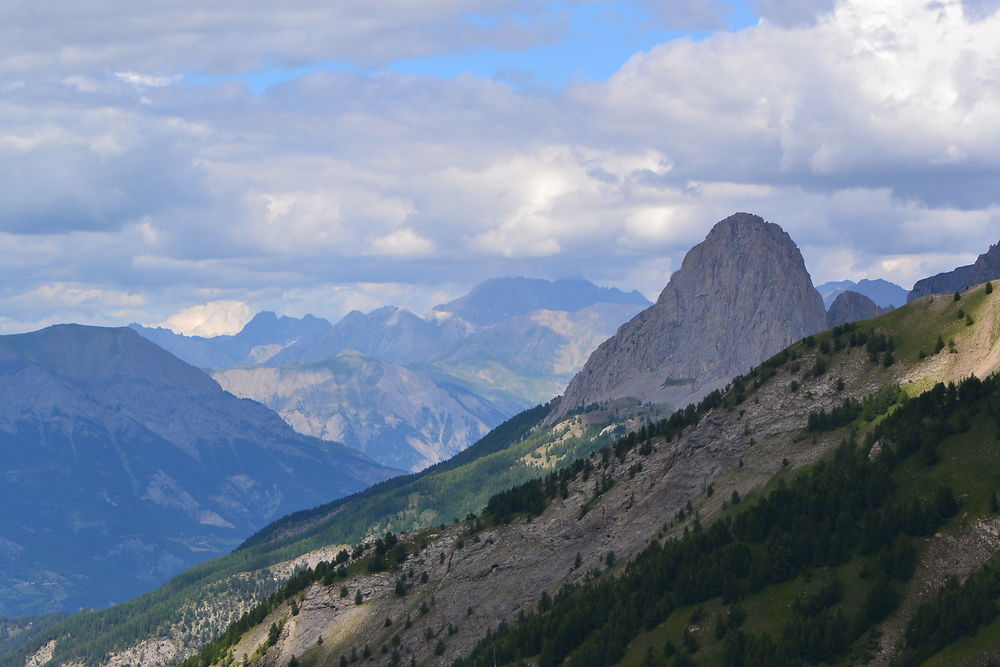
(851, 409)
(841, 509)
(956, 611)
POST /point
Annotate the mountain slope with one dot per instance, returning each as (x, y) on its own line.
(877, 524)
(739, 297)
(500, 298)
(402, 418)
(261, 338)
(124, 465)
(737, 442)
(986, 267)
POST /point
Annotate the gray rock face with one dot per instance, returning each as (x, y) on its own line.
(852, 307)
(987, 267)
(739, 297)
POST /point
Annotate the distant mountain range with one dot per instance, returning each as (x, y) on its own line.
(624, 533)
(412, 390)
(884, 293)
(122, 465)
(259, 340)
(500, 298)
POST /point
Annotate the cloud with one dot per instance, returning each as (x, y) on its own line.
(868, 131)
(403, 243)
(165, 37)
(214, 318)
(793, 13)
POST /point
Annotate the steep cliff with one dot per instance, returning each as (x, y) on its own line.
(739, 297)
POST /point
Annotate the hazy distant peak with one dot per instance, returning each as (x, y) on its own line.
(499, 298)
(882, 292)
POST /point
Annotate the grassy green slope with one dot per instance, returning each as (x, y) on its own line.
(755, 587)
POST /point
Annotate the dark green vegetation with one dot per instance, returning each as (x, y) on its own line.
(956, 611)
(851, 522)
(16, 632)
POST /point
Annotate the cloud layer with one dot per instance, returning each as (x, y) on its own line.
(867, 129)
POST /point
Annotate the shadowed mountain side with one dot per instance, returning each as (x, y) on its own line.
(852, 307)
(739, 297)
(124, 465)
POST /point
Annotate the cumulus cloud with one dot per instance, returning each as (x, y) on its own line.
(214, 318)
(867, 129)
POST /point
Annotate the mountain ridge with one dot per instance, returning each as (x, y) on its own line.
(986, 267)
(153, 465)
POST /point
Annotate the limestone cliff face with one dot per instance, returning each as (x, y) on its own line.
(987, 267)
(852, 307)
(739, 297)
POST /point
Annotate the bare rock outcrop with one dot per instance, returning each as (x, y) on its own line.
(739, 297)
(852, 307)
(987, 267)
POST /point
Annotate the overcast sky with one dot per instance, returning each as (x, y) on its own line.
(317, 156)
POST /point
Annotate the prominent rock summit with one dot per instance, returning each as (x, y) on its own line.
(987, 267)
(740, 296)
(852, 307)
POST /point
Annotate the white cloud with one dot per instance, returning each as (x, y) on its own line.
(402, 243)
(868, 131)
(210, 319)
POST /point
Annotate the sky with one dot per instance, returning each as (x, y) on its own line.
(190, 163)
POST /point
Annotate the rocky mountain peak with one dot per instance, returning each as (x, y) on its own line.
(740, 296)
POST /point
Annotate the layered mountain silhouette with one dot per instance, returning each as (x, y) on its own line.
(884, 293)
(986, 267)
(260, 339)
(500, 298)
(412, 390)
(852, 307)
(123, 465)
(740, 296)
